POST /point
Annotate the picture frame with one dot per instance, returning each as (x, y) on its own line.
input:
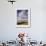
(23, 17)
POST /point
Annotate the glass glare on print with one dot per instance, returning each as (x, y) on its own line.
(22, 17)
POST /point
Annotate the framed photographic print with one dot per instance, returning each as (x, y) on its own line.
(23, 17)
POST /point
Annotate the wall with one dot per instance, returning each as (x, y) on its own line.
(8, 28)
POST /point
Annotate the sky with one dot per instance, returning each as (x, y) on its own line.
(22, 15)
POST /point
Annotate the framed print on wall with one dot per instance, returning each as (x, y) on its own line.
(23, 17)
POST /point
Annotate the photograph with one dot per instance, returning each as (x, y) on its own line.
(23, 18)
